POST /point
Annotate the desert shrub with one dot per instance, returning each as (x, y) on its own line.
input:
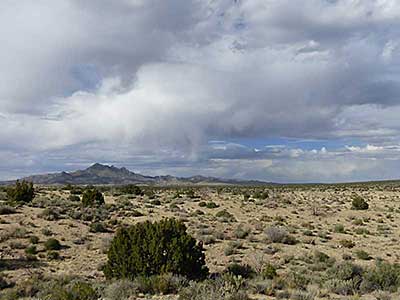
(31, 258)
(263, 287)
(383, 276)
(62, 289)
(174, 207)
(302, 295)
(320, 257)
(93, 214)
(321, 261)
(135, 213)
(359, 203)
(197, 212)
(92, 197)
(219, 289)
(261, 194)
(159, 284)
(279, 235)
(191, 194)
(339, 228)
(10, 294)
(53, 255)
(296, 280)
(347, 256)
(34, 239)
(177, 195)
(361, 231)
(308, 232)
(347, 243)
(13, 232)
(21, 192)
(113, 222)
(7, 210)
(31, 250)
(362, 254)
(231, 248)
(225, 215)
(279, 219)
(52, 244)
(49, 214)
(241, 232)
(246, 271)
(211, 205)
(246, 197)
(345, 271)
(17, 245)
(342, 287)
(47, 231)
(76, 190)
(207, 239)
(81, 291)
(268, 271)
(132, 190)
(155, 202)
(74, 198)
(120, 290)
(42, 202)
(19, 232)
(155, 248)
(150, 193)
(97, 227)
(383, 229)
(3, 194)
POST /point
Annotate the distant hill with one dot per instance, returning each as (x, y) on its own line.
(104, 174)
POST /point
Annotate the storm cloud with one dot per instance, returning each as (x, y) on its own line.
(152, 85)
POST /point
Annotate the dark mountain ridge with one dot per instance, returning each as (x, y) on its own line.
(104, 174)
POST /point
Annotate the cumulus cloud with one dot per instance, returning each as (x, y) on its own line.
(55, 48)
(159, 80)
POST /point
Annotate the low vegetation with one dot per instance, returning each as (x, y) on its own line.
(92, 197)
(227, 243)
(359, 203)
(21, 192)
(147, 249)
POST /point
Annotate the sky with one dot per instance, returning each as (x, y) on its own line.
(274, 90)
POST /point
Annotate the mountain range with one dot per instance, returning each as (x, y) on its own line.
(104, 174)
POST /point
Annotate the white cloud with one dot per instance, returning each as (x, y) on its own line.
(367, 149)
